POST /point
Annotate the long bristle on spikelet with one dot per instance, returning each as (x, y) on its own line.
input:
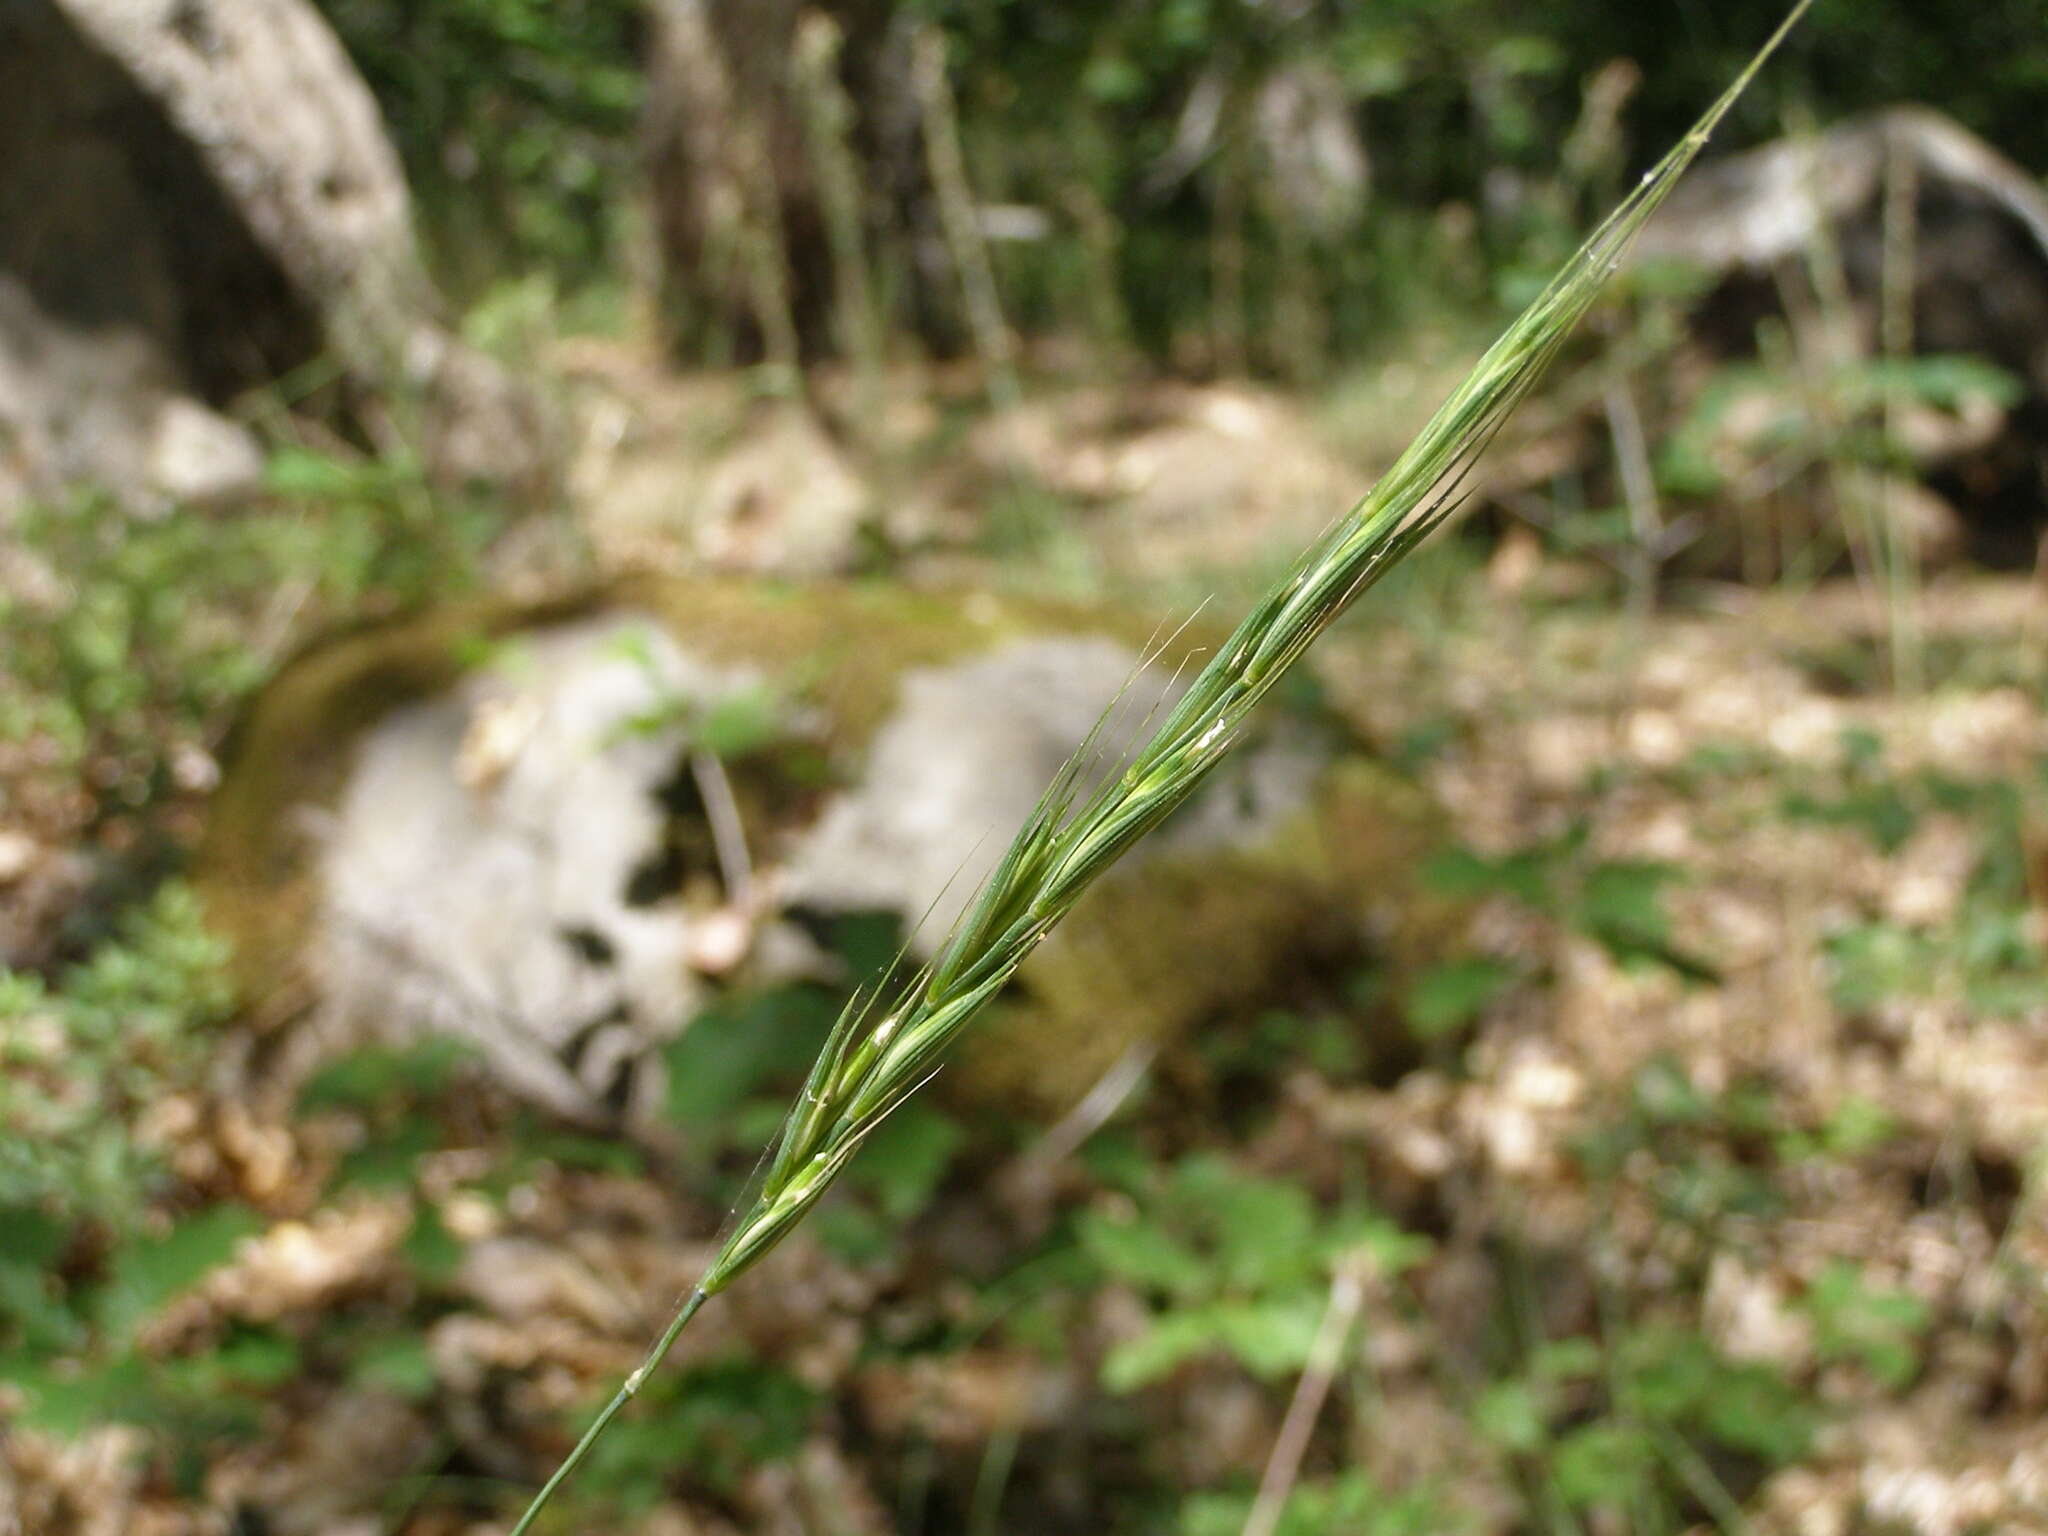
(877, 1057)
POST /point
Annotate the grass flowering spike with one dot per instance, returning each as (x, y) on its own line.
(876, 1057)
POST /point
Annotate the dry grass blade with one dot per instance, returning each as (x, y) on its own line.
(877, 1057)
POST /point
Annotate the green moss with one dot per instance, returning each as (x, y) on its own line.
(292, 747)
(1175, 942)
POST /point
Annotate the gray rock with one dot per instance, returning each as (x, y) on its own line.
(476, 868)
(962, 763)
(1756, 209)
(479, 871)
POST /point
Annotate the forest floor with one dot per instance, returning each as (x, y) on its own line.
(1699, 1189)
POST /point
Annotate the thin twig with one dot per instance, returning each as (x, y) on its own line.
(1897, 280)
(1094, 1111)
(728, 832)
(1639, 490)
(1325, 1353)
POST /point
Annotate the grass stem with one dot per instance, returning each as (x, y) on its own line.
(628, 1390)
(876, 1057)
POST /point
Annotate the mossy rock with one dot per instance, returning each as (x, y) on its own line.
(555, 902)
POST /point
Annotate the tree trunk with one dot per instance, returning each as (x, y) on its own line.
(745, 228)
(197, 197)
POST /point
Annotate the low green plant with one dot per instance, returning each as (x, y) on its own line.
(82, 1057)
(879, 1054)
(1446, 998)
(1618, 903)
(1650, 1423)
(1868, 1325)
(1987, 956)
(357, 527)
(724, 1418)
(1618, 1428)
(515, 120)
(733, 726)
(1795, 434)
(122, 659)
(1708, 1153)
(129, 657)
(88, 1253)
(1352, 1502)
(1229, 1263)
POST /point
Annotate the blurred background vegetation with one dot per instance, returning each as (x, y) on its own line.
(516, 120)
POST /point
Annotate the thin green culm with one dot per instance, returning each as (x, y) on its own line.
(880, 1053)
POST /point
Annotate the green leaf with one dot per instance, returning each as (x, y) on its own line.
(1446, 998)
(1514, 1415)
(1665, 1093)
(905, 1158)
(1880, 811)
(1566, 1360)
(399, 1365)
(249, 1358)
(854, 1233)
(1257, 1232)
(147, 1275)
(314, 476)
(33, 1239)
(1877, 1328)
(1678, 1379)
(430, 1248)
(1947, 380)
(1755, 1410)
(32, 1304)
(1271, 1337)
(738, 1046)
(1141, 1252)
(742, 723)
(542, 1142)
(373, 1076)
(1162, 1349)
(1873, 963)
(723, 1420)
(1392, 1250)
(1622, 903)
(67, 1400)
(870, 944)
(390, 1158)
(1603, 1465)
(1461, 872)
(1855, 1126)
(1350, 1504)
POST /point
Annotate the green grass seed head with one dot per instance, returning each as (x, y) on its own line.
(875, 1059)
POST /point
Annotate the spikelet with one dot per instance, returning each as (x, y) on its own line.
(877, 1056)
